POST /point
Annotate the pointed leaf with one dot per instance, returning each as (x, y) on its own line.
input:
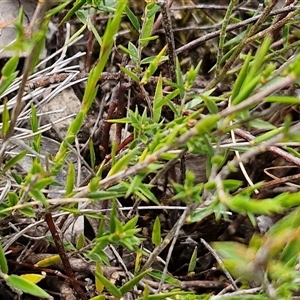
(26, 286)
(156, 233)
(3, 261)
(134, 281)
(108, 285)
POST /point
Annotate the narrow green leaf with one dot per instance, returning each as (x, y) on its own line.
(95, 32)
(157, 101)
(147, 27)
(131, 223)
(39, 39)
(135, 182)
(259, 58)
(27, 211)
(131, 283)
(145, 190)
(38, 195)
(49, 261)
(57, 8)
(168, 279)
(70, 182)
(246, 89)
(193, 261)
(6, 82)
(132, 18)
(267, 135)
(76, 124)
(76, 6)
(134, 53)
(80, 241)
(26, 286)
(138, 261)
(210, 104)
(205, 125)
(241, 77)
(145, 293)
(13, 198)
(156, 232)
(91, 86)
(98, 283)
(43, 183)
(5, 119)
(150, 38)
(3, 261)
(113, 217)
(179, 78)
(125, 50)
(150, 59)
(93, 185)
(14, 160)
(92, 153)
(108, 285)
(106, 195)
(191, 76)
(10, 66)
(33, 119)
(130, 74)
(153, 66)
(99, 297)
(122, 163)
(283, 99)
(261, 124)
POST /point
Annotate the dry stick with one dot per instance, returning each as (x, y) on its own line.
(190, 284)
(225, 23)
(253, 29)
(63, 256)
(46, 270)
(218, 259)
(263, 147)
(274, 27)
(232, 27)
(211, 7)
(106, 127)
(175, 234)
(273, 149)
(275, 33)
(278, 181)
(171, 234)
(114, 108)
(237, 293)
(120, 147)
(167, 24)
(159, 19)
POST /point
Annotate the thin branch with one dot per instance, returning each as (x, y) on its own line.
(63, 256)
(219, 261)
(209, 36)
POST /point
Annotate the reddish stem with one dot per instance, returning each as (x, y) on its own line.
(63, 256)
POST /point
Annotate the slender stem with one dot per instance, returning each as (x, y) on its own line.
(63, 256)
